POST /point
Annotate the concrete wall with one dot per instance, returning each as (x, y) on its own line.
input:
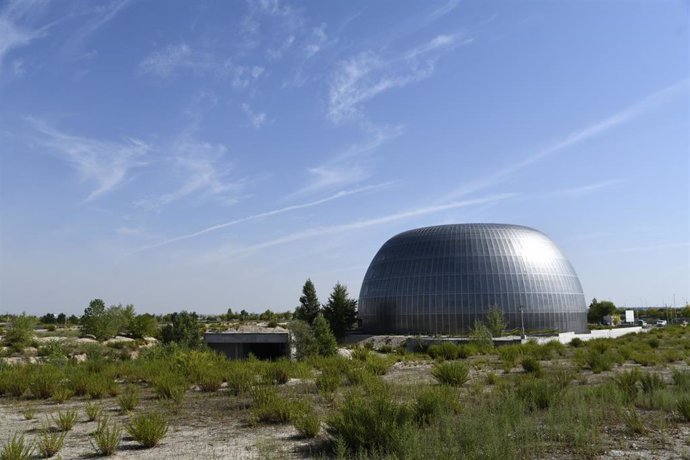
(239, 345)
(567, 337)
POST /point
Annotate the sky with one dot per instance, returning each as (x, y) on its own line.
(206, 155)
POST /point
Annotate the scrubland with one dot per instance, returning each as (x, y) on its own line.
(622, 398)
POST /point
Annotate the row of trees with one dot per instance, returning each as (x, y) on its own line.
(340, 311)
(104, 323)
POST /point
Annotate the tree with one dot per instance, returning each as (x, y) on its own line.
(481, 335)
(309, 305)
(48, 318)
(303, 338)
(340, 311)
(143, 326)
(325, 340)
(20, 332)
(100, 322)
(61, 319)
(495, 321)
(597, 310)
(184, 329)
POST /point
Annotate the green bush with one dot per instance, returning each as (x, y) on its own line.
(210, 381)
(598, 361)
(169, 386)
(626, 382)
(307, 423)
(20, 332)
(509, 355)
(683, 406)
(531, 365)
(240, 380)
(681, 379)
(65, 420)
(577, 342)
(371, 424)
(445, 350)
(16, 449)
(451, 373)
(29, 413)
(633, 422)
(93, 411)
(129, 399)
(62, 394)
(106, 438)
(148, 429)
(99, 386)
(277, 373)
(49, 443)
(329, 381)
(44, 380)
(651, 382)
(537, 393)
(377, 365)
(268, 407)
(433, 402)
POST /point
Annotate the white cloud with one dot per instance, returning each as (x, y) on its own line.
(266, 214)
(366, 75)
(167, 61)
(443, 10)
(12, 34)
(361, 224)
(106, 163)
(350, 166)
(257, 119)
(577, 137)
(589, 188)
(205, 170)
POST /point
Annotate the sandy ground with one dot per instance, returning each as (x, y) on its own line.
(201, 431)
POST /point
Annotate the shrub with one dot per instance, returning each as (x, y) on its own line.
(451, 373)
(93, 411)
(106, 438)
(325, 340)
(44, 381)
(683, 406)
(537, 393)
(371, 424)
(307, 424)
(531, 365)
(277, 373)
(329, 381)
(129, 399)
(598, 361)
(99, 386)
(509, 355)
(169, 386)
(681, 379)
(355, 375)
(210, 381)
(49, 443)
(445, 350)
(491, 378)
(653, 342)
(79, 381)
(148, 429)
(184, 329)
(651, 382)
(385, 349)
(431, 403)
(65, 420)
(16, 449)
(633, 421)
(377, 365)
(240, 380)
(303, 339)
(626, 381)
(20, 332)
(577, 342)
(62, 394)
(268, 407)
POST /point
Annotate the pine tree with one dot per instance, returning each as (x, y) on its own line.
(309, 303)
(325, 339)
(340, 311)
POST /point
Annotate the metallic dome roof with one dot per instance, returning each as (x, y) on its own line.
(439, 280)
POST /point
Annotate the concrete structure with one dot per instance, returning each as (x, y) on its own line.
(440, 280)
(263, 343)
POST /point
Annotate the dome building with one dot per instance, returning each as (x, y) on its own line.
(439, 280)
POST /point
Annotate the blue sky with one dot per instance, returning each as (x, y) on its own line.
(206, 155)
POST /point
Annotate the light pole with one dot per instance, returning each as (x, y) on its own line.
(522, 321)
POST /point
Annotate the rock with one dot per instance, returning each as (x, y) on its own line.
(89, 336)
(118, 339)
(30, 351)
(80, 358)
(87, 340)
(345, 353)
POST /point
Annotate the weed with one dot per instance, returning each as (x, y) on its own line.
(29, 413)
(531, 365)
(683, 406)
(129, 399)
(148, 428)
(49, 443)
(307, 424)
(451, 373)
(445, 350)
(16, 449)
(329, 381)
(577, 342)
(377, 365)
(633, 421)
(106, 438)
(431, 403)
(62, 394)
(626, 382)
(269, 407)
(537, 393)
(651, 382)
(682, 379)
(210, 381)
(44, 380)
(240, 380)
(491, 378)
(65, 420)
(93, 411)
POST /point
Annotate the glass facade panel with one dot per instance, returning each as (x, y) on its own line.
(440, 279)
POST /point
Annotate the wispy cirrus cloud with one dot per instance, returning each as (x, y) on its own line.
(202, 168)
(15, 30)
(361, 224)
(645, 105)
(257, 119)
(368, 74)
(263, 215)
(108, 164)
(349, 166)
(586, 189)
